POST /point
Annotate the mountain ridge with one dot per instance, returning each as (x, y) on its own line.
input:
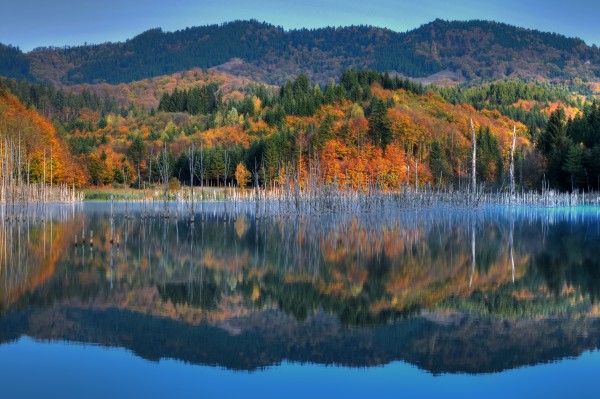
(471, 50)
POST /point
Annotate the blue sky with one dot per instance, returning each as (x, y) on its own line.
(32, 23)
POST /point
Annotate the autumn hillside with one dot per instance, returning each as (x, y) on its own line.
(44, 155)
(368, 129)
(146, 93)
(395, 136)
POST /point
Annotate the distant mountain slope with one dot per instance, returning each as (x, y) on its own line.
(147, 92)
(13, 63)
(471, 50)
(483, 49)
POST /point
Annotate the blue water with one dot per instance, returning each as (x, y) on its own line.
(83, 371)
(498, 303)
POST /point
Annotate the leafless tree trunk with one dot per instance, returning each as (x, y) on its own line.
(199, 168)
(227, 161)
(474, 162)
(150, 167)
(256, 191)
(416, 175)
(512, 163)
(192, 164)
(164, 167)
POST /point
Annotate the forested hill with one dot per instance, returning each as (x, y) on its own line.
(466, 51)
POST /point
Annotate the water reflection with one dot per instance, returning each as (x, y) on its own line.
(447, 290)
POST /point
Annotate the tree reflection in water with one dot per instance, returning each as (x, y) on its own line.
(448, 283)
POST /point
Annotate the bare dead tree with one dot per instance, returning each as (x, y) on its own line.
(150, 166)
(199, 171)
(416, 175)
(512, 162)
(473, 162)
(226, 163)
(164, 168)
(192, 164)
(256, 192)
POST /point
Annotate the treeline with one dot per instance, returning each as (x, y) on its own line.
(199, 100)
(370, 128)
(60, 106)
(155, 52)
(504, 96)
(400, 56)
(300, 98)
(270, 153)
(356, 82)
(505, 35)
(374, 129)
(13, 63)
(297, 97)
(566, 154)
(218, 167)
(474, 48)
(31, 152)
(508, 92)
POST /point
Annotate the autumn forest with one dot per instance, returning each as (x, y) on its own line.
(361, 128)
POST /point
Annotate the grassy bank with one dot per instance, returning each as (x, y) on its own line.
(133, 194)
(120, 194)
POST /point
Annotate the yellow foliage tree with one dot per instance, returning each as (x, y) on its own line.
(242, 175)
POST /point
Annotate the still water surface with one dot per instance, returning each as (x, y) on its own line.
(429, 303)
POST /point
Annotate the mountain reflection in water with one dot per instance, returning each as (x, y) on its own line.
(447, 290)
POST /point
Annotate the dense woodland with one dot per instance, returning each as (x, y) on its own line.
(14, 63)
(473, 50)
(520, 100)
(369, 130)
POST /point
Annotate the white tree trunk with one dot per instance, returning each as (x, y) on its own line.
(474, 161)
(512, 163)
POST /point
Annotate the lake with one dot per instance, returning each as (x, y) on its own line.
(439, 302)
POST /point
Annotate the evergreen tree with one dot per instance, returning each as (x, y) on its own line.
(324, 133)
(574, 166)
(489, 157)
(136, 154)
(555, 134)
(439, 164)
(379, 124)
(555, 144)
